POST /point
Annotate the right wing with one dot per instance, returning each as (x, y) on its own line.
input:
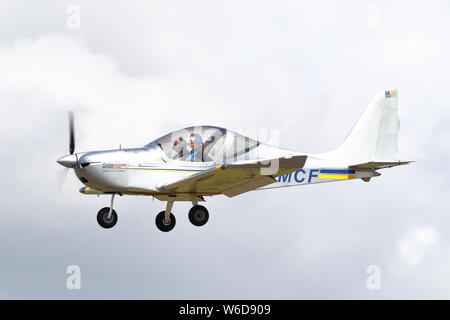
(235, 179)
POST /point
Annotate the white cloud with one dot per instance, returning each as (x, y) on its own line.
(414, 246)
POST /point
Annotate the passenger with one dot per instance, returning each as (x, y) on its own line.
(196, 144)
(180, 148)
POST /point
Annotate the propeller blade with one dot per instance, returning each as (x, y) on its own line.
(71, 133)
(61, 176)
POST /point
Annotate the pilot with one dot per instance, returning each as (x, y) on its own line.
(197, 153)
(180, 148)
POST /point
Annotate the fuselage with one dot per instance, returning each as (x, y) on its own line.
(190, 151)
(142, 170)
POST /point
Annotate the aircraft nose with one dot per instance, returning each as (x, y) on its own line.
(68, 161)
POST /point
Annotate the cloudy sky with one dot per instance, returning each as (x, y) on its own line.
(135, 70)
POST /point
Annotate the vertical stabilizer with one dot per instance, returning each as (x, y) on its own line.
(374, 135)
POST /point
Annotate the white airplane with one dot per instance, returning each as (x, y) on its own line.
(195, 162)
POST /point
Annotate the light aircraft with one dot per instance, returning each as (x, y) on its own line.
(195, 162)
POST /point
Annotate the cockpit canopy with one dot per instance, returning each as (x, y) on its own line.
(205, 144)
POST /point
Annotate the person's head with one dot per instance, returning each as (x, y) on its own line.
(179, 144)
(195, 141)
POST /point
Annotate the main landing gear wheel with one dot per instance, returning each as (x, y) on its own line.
(165, 226)
(105, 219)
(198, 215)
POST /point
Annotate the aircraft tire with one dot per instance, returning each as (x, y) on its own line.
(159, 220)
(102, 218)
(198, 215)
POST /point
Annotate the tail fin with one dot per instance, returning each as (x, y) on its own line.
(374, 135)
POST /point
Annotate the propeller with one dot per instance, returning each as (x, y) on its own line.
(71, 133)
(69, 161)
(61, 177)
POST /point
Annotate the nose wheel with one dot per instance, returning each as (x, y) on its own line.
(107, 217)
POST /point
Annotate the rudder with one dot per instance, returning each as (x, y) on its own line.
(374, 135)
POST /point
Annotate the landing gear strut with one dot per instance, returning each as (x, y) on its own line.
(107, 217)
(165, 220)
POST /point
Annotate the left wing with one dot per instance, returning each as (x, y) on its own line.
(235, 179)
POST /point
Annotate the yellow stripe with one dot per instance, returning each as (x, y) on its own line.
(152, 170)
(336, 176)
(162, 170)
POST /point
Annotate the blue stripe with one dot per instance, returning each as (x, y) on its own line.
(337, 171)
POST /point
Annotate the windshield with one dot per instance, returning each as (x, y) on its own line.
(194, 144)
(206, 144)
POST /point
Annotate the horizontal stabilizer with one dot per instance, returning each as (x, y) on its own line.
(375, 165)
